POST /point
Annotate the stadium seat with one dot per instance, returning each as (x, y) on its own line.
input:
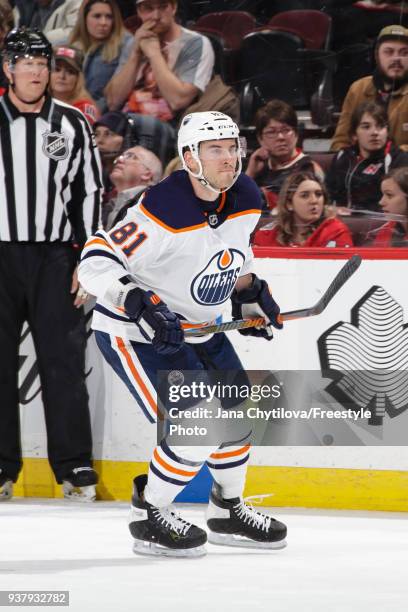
(353, 63)
(313, 27)
(275, 64)
(231, 26)
(132, 23)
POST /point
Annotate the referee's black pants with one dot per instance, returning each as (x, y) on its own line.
(35, 282)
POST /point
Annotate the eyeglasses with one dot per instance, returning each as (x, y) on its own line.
(274, 132)
(149, 7)
(129, 156)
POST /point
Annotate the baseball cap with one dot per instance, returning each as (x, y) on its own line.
(70, 55)
(115, 121)
(393, 31)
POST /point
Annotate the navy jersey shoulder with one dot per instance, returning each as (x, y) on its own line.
(174, 203)
(247, 195)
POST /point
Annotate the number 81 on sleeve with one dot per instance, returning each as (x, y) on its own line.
(127, 238)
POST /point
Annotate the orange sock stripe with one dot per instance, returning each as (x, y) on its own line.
(170, 468)
(125, 353)
(240, 451)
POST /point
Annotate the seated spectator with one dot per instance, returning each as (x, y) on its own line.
(394, 201)
(133, 171)
(167, 67)
(101, 35)
(355, 175)
(67, 82)
(55, 18)
(6, 24)
(113, 135)
(278, 156)
(303, 217)
(388, 85)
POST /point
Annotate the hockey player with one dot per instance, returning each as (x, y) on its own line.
(184, 248)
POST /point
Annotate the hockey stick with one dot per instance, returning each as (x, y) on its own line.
(341, 277)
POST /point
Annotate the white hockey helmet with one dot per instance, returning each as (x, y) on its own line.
(199, 127)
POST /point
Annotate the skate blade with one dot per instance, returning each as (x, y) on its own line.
(79, 494)
(229, 539)
(6, 491)
(141, 547)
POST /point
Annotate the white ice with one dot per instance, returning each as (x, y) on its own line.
(336, 561)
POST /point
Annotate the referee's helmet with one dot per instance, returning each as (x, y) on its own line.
(22, 42)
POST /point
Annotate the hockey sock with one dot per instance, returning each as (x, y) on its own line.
(171, 469)
(228, 467)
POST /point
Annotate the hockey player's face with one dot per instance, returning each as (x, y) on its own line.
(392, 58)
(219, 161)
(393, 199)
(30, 77)
(307, 202)
(279, 139)
(370, 135)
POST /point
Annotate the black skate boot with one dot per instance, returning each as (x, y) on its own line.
(79, 484)
(233, 523)
(160, 531)
(6, 487)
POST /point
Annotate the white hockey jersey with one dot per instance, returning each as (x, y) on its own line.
(169, 244)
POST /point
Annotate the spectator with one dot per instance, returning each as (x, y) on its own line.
(356, 172)
(110, 133)
(101, 35)
(55, 18)
(303, 217)
(394, 201)
(388, 86)
(167, 68)
(67, 82)
(6, 24)
(133, 171)
(278, 156)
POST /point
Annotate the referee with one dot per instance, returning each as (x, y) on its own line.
(50, 188)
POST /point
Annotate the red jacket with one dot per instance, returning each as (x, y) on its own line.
(89, 109)
(389, 234)
(331, 232)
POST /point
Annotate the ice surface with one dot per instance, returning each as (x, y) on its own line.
(335, 562)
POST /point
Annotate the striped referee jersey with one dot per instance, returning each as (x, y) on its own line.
(50, 174)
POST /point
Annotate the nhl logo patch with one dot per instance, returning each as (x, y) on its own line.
(213, 219)
(55, 145)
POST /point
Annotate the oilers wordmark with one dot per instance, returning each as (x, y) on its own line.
(215, 283)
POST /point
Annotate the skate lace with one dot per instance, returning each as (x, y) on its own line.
(169, 518)
(248, 514)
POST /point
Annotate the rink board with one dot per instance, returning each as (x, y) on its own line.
(362, 477)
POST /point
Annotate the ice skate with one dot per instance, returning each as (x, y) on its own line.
(234, 523)
(160, 531)
(79, 484)
(6, 487)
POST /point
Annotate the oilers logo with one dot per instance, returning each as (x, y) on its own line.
(214, 284)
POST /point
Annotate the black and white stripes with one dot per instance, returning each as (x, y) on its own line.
(50, 177)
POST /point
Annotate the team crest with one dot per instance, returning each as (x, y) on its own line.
(215, 283)
(55, 145)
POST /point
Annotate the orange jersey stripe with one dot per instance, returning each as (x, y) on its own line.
(170, 468)
(240, 451)
(98, 241)
(125, 353)
(251, 211)
(167, 227)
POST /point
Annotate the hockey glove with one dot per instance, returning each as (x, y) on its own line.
(255, 301)
(156, 322)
